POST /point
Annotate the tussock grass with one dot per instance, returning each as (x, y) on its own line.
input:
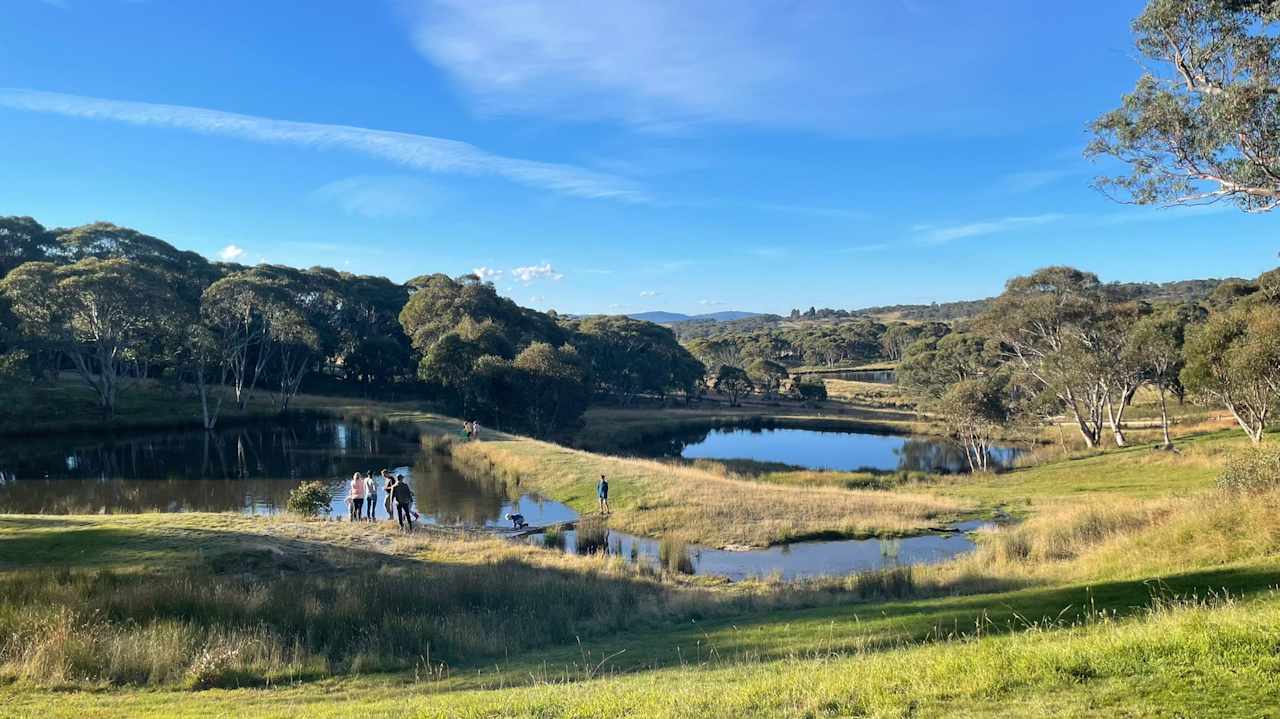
(654, 498)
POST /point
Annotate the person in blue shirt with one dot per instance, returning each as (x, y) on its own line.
(602, 491)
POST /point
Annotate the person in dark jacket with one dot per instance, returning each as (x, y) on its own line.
(404, 503)
(602, 491)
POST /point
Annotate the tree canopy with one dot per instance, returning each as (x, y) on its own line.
(1203, 124)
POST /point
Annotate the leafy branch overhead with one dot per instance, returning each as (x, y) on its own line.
(1203, 123)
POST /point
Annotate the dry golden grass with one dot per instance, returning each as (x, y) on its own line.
(654, 498)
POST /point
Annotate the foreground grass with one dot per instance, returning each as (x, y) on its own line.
(1177, 658)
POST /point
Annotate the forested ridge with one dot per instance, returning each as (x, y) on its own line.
(113, 305)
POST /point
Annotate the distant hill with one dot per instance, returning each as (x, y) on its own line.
(1178, 291)
(670, 318)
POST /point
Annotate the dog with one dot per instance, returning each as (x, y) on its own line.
(517, 521)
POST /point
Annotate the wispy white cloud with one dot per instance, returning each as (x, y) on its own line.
(530, 273)
(231, 253)
(649, 293)
(936, 235)
(420, 152)
(711, 303)
(380, 197)
(487, 274)
(666, 64)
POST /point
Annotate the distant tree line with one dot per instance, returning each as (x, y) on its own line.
(1060, 342)
(114, 306)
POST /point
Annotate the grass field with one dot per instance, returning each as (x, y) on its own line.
(1132, 587)
(1097, 608)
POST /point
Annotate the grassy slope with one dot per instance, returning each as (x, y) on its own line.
(853, 660)
(1176, 662)
(659, 499)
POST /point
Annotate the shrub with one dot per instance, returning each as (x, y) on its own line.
(812, 391)
(309, 499)
(673, 555)
(1252, 470)
(591, 536)
(14, 366)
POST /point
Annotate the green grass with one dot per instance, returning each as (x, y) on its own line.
(1173, 658)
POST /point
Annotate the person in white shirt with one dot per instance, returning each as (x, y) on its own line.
(370, 497)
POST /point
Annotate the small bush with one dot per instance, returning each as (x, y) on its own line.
(673, 554)
(14, 366)
(553, 538)
(591, 536)
(309, 499)
(1253, 470)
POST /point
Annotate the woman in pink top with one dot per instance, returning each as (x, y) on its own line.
(357, 496)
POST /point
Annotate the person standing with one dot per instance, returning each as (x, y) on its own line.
(370, 497)
(404, 504)
(602, 491)
(356, 493)
(389, 483)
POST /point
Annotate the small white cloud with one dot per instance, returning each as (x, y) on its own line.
(710, 303)
(935, 235)
(650, 293)
(231, 253)
(530, 273)
(487, 274)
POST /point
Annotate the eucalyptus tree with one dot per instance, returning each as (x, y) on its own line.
(1234, 359)
(628, 357)
(1155, 346)
(552, 385)
(1048, 326)
(734, 382)
(103, 315)
(1203, 123)
(22, 239)
(767, 375)
(961, 378)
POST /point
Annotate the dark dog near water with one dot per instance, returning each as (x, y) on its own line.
(517, 521)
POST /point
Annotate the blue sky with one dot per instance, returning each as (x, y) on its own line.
(601, 157)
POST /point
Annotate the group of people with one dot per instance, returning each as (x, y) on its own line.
(362, 498)
(471, 429)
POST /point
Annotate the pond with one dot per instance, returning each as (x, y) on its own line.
(813, 449)
(799, 560)
(252, 468)
(875, 376)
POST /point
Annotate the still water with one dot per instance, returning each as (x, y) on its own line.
(845, 451)
(875, 376)
(252, 468)
(800, 560)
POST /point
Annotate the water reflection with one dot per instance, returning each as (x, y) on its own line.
(813, 449)
(801, 559)
(249, 468)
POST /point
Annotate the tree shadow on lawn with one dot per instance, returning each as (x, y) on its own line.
(340, 600)
(850, 628)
